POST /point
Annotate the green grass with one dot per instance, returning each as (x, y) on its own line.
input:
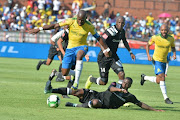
(22, 97)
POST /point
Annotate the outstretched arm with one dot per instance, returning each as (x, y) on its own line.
(147, 52)
(174, 52)
(129, 49)
(45, 27)
(145, 106)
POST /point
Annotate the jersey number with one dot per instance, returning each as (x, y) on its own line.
(102, 69)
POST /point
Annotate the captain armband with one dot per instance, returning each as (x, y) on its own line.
(106, 50)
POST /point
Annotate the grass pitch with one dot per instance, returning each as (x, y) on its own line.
(22, 97)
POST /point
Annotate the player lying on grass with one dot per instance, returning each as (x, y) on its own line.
(115, 96)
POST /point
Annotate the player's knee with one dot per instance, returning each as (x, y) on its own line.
(103, 81)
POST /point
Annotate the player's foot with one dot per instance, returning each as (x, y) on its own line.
(74, 86)
(65, 96)
(168, 101)
(39, 65)
(48, 87)
(51, 76)
(68, 104)
(88, 82)
(142, 79)
(126, 105)
(59, 77)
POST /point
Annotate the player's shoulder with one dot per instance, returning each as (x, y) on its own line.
(112, 30)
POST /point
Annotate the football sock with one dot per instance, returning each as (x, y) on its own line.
(79, 66)
(71, 72)
(60, 66)
(93, 79)
(44, 62)
(70, 83)
(150, 78)
(167, 65)
(63, 91)
(163, 89)
(98, 80)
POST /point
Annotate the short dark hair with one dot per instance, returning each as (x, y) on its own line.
(129, 79)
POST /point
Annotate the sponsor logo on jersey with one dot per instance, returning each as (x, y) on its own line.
(105, 36)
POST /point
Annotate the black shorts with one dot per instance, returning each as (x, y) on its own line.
(53, 52)
(106, 63)
(88, 95)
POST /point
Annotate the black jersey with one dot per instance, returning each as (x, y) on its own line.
(117, 99)
(112, 37)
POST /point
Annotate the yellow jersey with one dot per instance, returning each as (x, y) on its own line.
(162, 46)
(78, 34)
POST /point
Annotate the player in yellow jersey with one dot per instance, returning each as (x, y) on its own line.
(79, 28)
(163, 42)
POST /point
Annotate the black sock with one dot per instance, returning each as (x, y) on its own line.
(60, 66)
(44, 62)
(62, 91)
(93, 79)
(70, 83)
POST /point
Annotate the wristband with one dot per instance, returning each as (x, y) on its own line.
(130, 52)
(106, 50)
(40, 28)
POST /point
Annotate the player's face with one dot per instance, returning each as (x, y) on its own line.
(164, 31)
(126, 84)
(120, 24)
(81, 21)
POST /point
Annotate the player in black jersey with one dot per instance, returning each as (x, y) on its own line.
(54, 49)
(115, 96)
(112, 36)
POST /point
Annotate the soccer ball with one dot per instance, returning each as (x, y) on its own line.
(53, 101)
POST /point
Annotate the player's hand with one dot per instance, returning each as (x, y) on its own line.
(160, 110)
(124, 91)
(133, 57)
(174, 56)
(87, 58)
(57, 49)
(149, 58)
(33, 31)
(108, 54)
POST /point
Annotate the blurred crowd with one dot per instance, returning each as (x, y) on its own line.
(44, 12)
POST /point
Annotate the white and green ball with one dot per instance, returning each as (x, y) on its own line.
(53, 101)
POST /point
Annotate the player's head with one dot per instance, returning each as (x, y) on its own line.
(127, 82)
(120, 22)
(81, 17)
(164, 30)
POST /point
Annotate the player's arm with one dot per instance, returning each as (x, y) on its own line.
(174, 52)
(106, 50)
(112, 88)
(128, 48)
(149, 43)
(45, 27)
(60, 46)
(147, 107)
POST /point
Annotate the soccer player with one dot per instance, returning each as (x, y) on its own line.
(112, 36)
(54, 49)
(162, 43)
(115, 96)
(77, 47)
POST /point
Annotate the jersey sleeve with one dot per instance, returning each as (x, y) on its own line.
(57, 35)
(133, 99)
(92, 29)
(173, 44)
(152, 40)
(68, 21)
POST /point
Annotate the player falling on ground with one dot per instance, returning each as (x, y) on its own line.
(54, 49)
(77, 47)
(112, 36)
(115, 96)
(162, 43)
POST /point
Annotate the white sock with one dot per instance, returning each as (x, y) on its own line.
(71, 72)
(64, 77)
(163, 89)
(79, 67)
(150, 78)
(97, 80)
(167, 65)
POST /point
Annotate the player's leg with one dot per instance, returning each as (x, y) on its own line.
(104, 67)
(80, 53)
(45, 62)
